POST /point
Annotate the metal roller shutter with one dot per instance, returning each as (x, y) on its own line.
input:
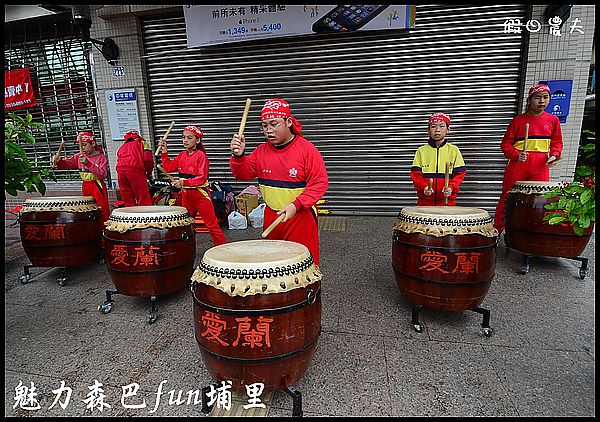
(363, 98)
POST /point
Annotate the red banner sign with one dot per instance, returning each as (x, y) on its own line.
(18, 92)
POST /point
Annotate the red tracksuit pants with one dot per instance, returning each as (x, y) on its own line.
(98, 190)
(532, 169)
(302, 228)
(134, 188)
(197, 203)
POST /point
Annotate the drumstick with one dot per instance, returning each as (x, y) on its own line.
(157, 153)
(81, 154)
(446, 179)
(243, 122)
(171, 178)
(60, 148)
(526, 137)
(273, 225)
(430, 185)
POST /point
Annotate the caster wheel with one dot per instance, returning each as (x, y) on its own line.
(62, 281)
(150, 319)
(488, 331)
(105, 307)
(418, 327)
(102, 261)
(524, 270)
(582, 274)
(24, 279)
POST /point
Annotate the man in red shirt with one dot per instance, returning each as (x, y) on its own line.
(544, 147)
(291, 175)
(134, 168)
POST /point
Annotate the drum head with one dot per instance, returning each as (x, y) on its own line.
(442, 221)
(142, 217)
(60, 203)
(257, 267)
(533, 187)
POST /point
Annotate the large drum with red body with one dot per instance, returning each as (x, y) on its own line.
(149, 250)
(257, 312)
(444, 257)
(61, 231)
(526, 230)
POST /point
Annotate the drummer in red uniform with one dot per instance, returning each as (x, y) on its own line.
(134, 168)
(93, 167)
(291, 175)
(544, 147)
(193, 165)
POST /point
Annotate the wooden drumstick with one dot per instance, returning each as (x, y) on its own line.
(273, 225)
(430, 184)
(171, 178)
(81, 154)
(243, 122)
(60, 148)
(526, 137)
(157, 153)
(447, 179)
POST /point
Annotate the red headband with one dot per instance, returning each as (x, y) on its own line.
(88, 137)
(195, 130)
(538, 88)
(278, 108)
(132, 134)
(439, 117)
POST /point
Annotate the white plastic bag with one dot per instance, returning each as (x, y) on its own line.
(257, 216)
(237, 221)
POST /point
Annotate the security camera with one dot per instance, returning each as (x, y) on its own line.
(82, 19)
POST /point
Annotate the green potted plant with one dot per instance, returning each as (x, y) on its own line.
(576, 204)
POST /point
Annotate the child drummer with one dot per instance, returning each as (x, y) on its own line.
(428, 171)
(193, 165)
(93, 167)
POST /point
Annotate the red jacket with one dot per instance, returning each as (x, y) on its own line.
(545, 135)
(191, 167)
(135, 155)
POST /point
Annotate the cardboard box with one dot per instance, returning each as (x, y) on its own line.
(246, 202)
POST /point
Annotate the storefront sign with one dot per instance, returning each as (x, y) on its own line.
(122, 112)
(207, 25)
(18, 92)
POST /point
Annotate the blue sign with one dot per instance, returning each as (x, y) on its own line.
(560, 98)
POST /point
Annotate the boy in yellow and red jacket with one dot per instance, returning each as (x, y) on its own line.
(429, 165)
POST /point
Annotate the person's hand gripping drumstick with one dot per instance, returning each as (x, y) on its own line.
(446, 190)
(163, 140)
(429, 188)
(523, 154)
(238, 143)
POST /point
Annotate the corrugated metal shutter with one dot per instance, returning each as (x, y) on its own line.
(363, 98)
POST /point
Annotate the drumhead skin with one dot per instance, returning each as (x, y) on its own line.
(444, 212)
(148, 212)
(60, 203)
(252, 267)
(533, 187)
(442, 221)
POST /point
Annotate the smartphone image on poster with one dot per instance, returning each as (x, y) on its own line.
(347, 18)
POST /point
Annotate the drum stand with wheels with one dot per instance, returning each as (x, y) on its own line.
(582, 269)
(485, 324)
(106, 307)
(527, 257)
(24, 279)
(289, 390)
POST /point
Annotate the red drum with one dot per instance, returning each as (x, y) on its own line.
(61, 231)
(257, 312)
(444, 257)
(526, 230)
(149, 250)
